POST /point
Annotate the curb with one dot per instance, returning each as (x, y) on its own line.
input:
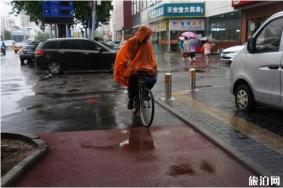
(10, 178)
(238, 156)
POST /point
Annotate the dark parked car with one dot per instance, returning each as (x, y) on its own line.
(110, 45)
(27, 53)
(57, 55)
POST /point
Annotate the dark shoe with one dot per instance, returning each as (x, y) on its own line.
(130, 104)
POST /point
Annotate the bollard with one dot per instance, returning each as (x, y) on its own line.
(168, 86)
(193, 79)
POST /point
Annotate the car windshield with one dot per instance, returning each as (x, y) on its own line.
(30, 47)
(112, 47)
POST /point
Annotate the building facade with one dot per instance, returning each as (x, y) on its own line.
(223, 23)
(121, 20)
(254, 13)
(169, 19)
(228, 23)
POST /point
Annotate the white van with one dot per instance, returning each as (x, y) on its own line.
(257, 71)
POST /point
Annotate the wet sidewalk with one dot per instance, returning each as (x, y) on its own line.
(158, 156)
(211, 111)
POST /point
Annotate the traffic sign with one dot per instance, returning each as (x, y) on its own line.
(58, 11)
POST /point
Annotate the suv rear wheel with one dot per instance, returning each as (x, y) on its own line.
(54, 68)
(22, 62)
(244, 98)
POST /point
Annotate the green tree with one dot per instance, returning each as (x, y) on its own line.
(82, 11)
(42, 36)
(7, 35)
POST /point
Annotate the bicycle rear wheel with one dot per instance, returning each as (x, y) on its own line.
(146, 109)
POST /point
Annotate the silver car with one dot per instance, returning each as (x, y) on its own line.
(257, 71)
(230, 53)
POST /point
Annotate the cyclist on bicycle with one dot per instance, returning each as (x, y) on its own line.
(134, 56)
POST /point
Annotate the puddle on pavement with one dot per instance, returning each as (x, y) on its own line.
(138, 140)
(185, 167)
(86, 146)
(205, 166)
(181, 169)
(35, 106)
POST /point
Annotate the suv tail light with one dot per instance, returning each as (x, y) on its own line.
(38, 52)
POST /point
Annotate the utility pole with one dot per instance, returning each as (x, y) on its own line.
(51, 34)
(91, 35)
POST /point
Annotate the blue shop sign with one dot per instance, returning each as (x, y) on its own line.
(178, 10)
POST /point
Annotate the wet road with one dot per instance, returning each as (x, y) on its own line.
(34, 103)
(213, 90)
(65, 110)
(76, 101)
(158, 156)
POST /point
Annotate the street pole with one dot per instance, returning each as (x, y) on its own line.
(51, 34)
(56, 30)
(169, 37)
(93, 20)
(66, 26)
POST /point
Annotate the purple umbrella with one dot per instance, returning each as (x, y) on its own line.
(189, 34)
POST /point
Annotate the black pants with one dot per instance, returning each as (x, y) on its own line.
(133, 87)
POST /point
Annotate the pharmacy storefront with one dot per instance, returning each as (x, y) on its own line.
(170, 20)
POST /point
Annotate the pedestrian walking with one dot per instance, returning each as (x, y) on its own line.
(193, 44)
(186, 47)
(180, 44)
(207, 51)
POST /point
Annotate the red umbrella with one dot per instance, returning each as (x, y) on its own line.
(189, 34)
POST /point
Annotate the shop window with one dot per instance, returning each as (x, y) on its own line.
(134, 7)
(138, 6)
(253, 25)
(225, 27)
(269, 38)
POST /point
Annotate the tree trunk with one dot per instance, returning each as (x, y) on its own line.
(61, 31)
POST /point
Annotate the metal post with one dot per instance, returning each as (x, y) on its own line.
(56, 30)
(91, 35)
(168, 86)
(169, 39)
(66, 27)
(50, 27)
(193, 79)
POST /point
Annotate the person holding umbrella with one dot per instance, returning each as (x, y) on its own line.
(180, 44)
(190, 45)
(193, 42)
(186, 47)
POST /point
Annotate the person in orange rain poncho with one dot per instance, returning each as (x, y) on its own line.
(135, 55)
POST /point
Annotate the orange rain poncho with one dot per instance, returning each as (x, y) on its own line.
(134, 56)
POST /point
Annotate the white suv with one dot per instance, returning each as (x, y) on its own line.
(257, 71)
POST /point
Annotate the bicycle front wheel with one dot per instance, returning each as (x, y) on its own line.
(146, 109)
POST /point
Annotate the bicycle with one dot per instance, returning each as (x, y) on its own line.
(144, 101)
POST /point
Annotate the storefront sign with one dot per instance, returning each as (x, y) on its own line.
(186, 25)
(178, 10)
(159, 26)
(155, 13)
(240, 3)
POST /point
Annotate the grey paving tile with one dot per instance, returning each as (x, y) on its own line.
(263, 156)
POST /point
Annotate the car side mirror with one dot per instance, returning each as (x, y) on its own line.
(251, 45)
